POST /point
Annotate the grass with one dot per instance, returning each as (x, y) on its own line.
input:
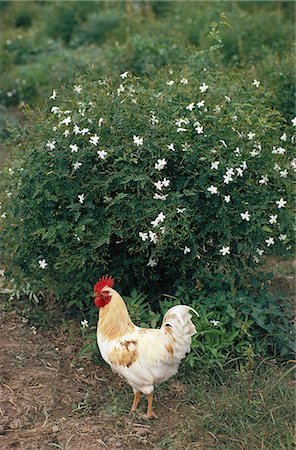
(222, 411)
(213, 409)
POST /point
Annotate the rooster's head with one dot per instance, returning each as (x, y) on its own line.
(103, 297)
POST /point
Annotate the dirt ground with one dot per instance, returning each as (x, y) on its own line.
(50, 399)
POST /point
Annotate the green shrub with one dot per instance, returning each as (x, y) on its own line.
(66, 17)
(135, 194)
(279, 72)
(97, 27)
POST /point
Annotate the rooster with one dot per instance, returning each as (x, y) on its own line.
(144, 357)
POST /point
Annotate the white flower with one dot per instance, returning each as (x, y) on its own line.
(294, 122)
(227, 178)
(256, 83)
(102, 154)
(269, 241)
(225, 251)
(229, 171)
(204, 87)
(273, 219)
(200, 104)
(81, 198)
(276, 167)
(152, 262)
(153, 237)
(185, 146)
(239, 171)
(66, 121)
(190, 107)
(120, 89)
(244, 165)
(237, 151)
(171, 147)
(186, 250)
(278, 151)
(137, 140)
(282, 237)
(74, 148)
(51, 145)
(53, 95)
(245, 216)
(3, 216)
(184, 81)
(227, 198)
(251, 135)
(170, 83)
(154, 120)
(283, 137)
(66, 133)
(254, 153)
(84, 131)
(264, 179)
(215, 165)
(259, 251)
(158, 185)
(181, 130)
(215, 322)
(2, 273)
(160, 218)
(76, 129)
(157, 196)
(293, 164)
(281, 203)
(124, 75)
(55, 110)
(284, 173)
(94, 139)
(199, 129)
(84, 323)
(160, 164)
(180, 122)
(101, 120)
(42, 264)
(33, 329)
(228, 99)
(77, 165)
(77, 88)
(181, 210)
(143, 236)
(223, 143)
(166, 182)
(213, 190)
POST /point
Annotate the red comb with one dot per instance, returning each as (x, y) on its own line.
(104, 281)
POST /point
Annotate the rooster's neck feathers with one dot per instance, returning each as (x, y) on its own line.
(114, 319)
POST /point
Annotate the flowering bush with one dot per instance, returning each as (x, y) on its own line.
(184, 180)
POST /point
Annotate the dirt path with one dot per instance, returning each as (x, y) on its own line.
(49, 399)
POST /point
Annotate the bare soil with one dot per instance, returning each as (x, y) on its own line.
(50, 399)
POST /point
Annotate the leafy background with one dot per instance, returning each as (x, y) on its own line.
(50, 46)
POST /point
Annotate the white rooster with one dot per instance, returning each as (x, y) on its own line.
(143, 356)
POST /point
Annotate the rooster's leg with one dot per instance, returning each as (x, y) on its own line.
(150, 414)
(137, 396)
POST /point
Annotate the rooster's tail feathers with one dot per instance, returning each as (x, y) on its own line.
(178, 320)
